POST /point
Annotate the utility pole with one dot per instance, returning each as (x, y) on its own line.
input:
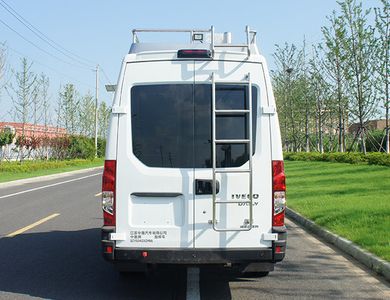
(96, 107)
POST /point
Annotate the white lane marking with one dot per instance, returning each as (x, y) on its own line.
(28, 227)
(46, 186)
(98, 194)
(193, 292)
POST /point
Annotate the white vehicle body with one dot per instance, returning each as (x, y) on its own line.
(185, 189)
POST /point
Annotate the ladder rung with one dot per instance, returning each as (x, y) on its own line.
(233, 171)
(231, 202)
(245, 141)
(232, 111)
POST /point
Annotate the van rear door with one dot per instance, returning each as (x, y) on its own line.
(228, 226)
(154, 206)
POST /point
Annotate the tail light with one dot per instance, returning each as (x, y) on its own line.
(279, 193)
(108, 192)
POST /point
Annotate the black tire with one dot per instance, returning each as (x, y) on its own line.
(131, 270)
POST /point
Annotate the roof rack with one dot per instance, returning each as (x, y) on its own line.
(197, 35)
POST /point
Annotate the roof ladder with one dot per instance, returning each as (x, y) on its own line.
(248, 223)
(249, 40)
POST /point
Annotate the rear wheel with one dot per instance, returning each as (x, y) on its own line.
(136, 270)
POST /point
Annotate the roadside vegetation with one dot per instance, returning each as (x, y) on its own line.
(46, 126)
(352, 201)
(51, 155)
(374, 158)
(334, 95)
(333, 105)
(68, 111)
(17, 170)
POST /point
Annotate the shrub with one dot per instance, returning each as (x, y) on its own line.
(6, 138)
(351, 158)
(37, 165)
(375, 158)
(305, 156)
(59, 147)
(374, 141)
(101, 147)
(81, 147)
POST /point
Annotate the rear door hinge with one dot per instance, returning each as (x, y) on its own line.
(268, 110)
(270, 236)
(119, 109)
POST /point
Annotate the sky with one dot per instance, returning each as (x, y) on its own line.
(95, 32)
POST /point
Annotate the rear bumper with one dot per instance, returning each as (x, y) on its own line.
(273, 254)
(192, 256)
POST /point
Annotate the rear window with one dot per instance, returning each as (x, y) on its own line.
(171, 125)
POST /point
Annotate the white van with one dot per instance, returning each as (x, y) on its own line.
(194, 169)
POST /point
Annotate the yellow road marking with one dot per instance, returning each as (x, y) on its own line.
(98, 194)
(32, 225)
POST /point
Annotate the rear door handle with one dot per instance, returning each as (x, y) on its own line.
(205, 187)
(163, 194)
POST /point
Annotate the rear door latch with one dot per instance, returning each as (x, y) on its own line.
(205, 187)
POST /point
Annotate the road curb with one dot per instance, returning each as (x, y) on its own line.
(371, 261)
(45, 177)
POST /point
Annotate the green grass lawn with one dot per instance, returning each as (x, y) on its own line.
(15, 170)
(350, 200)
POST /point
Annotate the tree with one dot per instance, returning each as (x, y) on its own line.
(87, 115)
(320, 90)
(359, 45)
(24, 92)
(44, 84)
(382, 23)
(3, 56)
(333, 64)
(303, 87)
(44, 100)
(68, 109)
(288, 91)
(36, 105)
(104, 113)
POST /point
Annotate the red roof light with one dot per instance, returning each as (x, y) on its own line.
(194, 53)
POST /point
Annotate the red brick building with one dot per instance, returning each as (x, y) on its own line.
(33, 130)
(370, 125)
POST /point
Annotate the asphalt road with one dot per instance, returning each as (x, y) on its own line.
(60, 257)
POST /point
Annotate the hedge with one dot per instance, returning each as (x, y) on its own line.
(373, 158)
(58, 148)
(36, 165)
